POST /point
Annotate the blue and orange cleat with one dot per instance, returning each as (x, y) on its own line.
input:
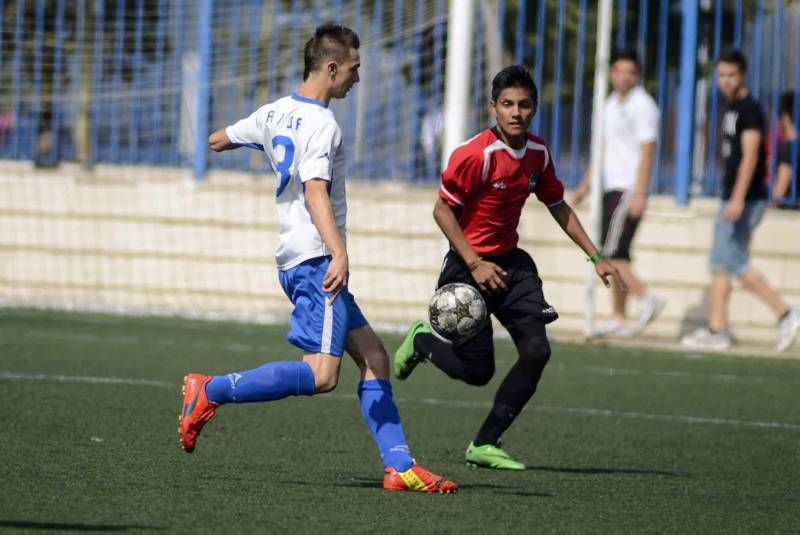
(196, 410)
(418, 479)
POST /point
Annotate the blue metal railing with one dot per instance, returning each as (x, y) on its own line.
(161, 74)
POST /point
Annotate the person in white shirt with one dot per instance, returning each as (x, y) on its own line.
(303, 144)
(631, 124)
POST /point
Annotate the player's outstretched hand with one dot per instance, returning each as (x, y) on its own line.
(489, 276)
(605, 270)
(336, 277)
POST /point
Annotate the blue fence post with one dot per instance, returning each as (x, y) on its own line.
(519, 43)
(37, 78)
(555, 136)
(16, 68)
(538, 69)
(135, 100)
(203, 89)
(55, 93)
(711, 169)
(755, 72)
(577, 102)
(116, 81)
(777, 53)
(663, 27)
(685, 108)
(156, 88)
(97, 79)
(622, 29)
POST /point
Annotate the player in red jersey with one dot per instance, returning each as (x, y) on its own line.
(484, 187)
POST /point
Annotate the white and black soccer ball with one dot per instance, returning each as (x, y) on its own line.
(457, 311)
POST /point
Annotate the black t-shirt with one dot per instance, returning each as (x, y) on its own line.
(785, 156)
(741, 115)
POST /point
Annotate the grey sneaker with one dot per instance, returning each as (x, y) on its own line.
(613, 328)
(788, 328)
(650, 306)
(703, 338)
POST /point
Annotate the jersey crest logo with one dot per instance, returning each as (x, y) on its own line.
(500, 184)
(532, 180)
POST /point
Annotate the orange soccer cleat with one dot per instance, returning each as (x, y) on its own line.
(196, 410)
(418, 479)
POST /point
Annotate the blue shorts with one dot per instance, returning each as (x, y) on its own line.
(730, 251)
(316, 325)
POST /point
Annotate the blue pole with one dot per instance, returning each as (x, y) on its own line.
(232, 92)
(577, 103)
(622, 29)
(555, 137)
(55, 96)
(643, 32)
(711, 158)
(37, 78)
(203, 90)
(663, 27)
(392, 130)
(133, 130)
(519, 45)
(538, 68)
(755, 85)
(97, 79)
(737, 25)
(417, 101)
(116, 81)
(16, 69)
(250, 96)
(685, 108)
(178, 85)
(777, 53)
(501, 17)
(155, 139)
(436, 91)
(272, 75)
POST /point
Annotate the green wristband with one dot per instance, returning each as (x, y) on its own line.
(594, 258)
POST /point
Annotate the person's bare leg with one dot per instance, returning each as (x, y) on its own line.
(754, 281)
(720, 295)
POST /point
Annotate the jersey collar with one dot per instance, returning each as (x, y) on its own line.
(307, 100)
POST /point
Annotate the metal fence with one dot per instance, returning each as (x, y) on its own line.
(143, 81)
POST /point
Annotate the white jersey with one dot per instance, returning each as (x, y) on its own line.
(302, 141)
(628, 123)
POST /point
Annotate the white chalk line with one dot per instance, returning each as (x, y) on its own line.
(607, 413)
(251, 348)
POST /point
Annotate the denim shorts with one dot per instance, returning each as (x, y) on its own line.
(730, 251)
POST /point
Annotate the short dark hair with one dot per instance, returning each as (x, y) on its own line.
(330, 41)
(735, 56)
(786, 103)
(514, 76)
(626, 54)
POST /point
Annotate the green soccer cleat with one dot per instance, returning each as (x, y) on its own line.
(405, 358)
(491, 456)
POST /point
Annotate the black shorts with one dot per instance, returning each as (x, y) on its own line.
(618, 227)
(521, 309)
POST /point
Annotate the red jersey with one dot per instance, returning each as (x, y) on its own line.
(489, 182)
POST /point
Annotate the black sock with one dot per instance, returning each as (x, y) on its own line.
(440, 353)
(514, 393)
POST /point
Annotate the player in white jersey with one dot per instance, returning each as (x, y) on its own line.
(303, 143)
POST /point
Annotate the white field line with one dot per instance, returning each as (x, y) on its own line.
(606, 413)
(553, 366)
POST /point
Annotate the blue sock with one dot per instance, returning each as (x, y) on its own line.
(274, 380)
(383, 419)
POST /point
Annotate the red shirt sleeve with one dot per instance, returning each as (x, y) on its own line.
(549, 189)
(462, 177)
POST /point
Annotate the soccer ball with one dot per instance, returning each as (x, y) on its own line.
(457, 311)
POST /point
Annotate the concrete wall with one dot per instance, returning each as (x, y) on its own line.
(153, 240)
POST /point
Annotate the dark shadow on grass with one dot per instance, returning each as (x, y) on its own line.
(631, 471)
(367, 483)
(62, 526)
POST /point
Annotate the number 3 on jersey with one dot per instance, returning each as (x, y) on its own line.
(284, 164)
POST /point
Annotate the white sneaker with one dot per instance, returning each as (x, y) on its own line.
(788, 328)
(650, 306)
(613, 328)
(703, 338)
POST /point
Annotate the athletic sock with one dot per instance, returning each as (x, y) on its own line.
(383, 420)
(515, 391)
(272, 381)
(441, 354)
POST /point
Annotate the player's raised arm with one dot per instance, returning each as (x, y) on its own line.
(568, 220)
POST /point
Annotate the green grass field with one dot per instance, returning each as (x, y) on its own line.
(615, 440)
